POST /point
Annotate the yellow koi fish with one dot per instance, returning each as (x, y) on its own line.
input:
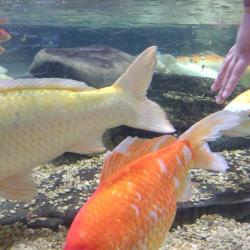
(43, 118)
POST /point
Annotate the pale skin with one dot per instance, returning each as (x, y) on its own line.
(236, 61)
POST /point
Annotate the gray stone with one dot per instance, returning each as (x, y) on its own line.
(98, 66)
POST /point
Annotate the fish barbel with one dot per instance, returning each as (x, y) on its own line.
(141, 181)
(43, 118)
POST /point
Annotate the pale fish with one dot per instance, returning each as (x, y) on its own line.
(167, 64)
(43, 118)
(205, 64)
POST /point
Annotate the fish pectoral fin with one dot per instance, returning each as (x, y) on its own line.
(91, 145)
(186, 193)
(130, 150)
(18, 187)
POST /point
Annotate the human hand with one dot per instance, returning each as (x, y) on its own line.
(235, 62)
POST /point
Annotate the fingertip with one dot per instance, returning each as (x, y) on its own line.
(219, 99)
(224, 95)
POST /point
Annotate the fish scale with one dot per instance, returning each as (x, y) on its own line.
(43, 127)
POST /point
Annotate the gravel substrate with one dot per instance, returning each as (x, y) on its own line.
(209, 232)
(19, 237)
(65, 184)
(235, 180)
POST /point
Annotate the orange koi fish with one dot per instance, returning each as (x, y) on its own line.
(4, 36)
(141, 181)
(2, 50)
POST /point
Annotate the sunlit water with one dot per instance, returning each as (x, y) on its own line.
(113, 13)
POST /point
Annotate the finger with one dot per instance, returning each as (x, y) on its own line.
(234, 79)
(227, 76)
(231, 50)
(218, 81)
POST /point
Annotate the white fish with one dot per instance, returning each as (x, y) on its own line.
(43, 118)
(168, 64)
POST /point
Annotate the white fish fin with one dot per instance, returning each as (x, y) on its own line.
(18, 187)
(43, 83)
(135, 82)
(204, 158)
(150, 116)
(209, 129)
(130, 150)
(186, 193)
(138, 76)
(92, 144)
(240, 131)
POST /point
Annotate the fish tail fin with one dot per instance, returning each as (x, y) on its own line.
(209, 129)
(135, 82)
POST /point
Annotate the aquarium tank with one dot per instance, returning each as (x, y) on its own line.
(63, 127)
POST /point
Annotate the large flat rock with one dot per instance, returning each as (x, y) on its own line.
(98, 66)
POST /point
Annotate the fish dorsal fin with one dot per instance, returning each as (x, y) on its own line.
(129, 150)
(43, 83)
(137, 77)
